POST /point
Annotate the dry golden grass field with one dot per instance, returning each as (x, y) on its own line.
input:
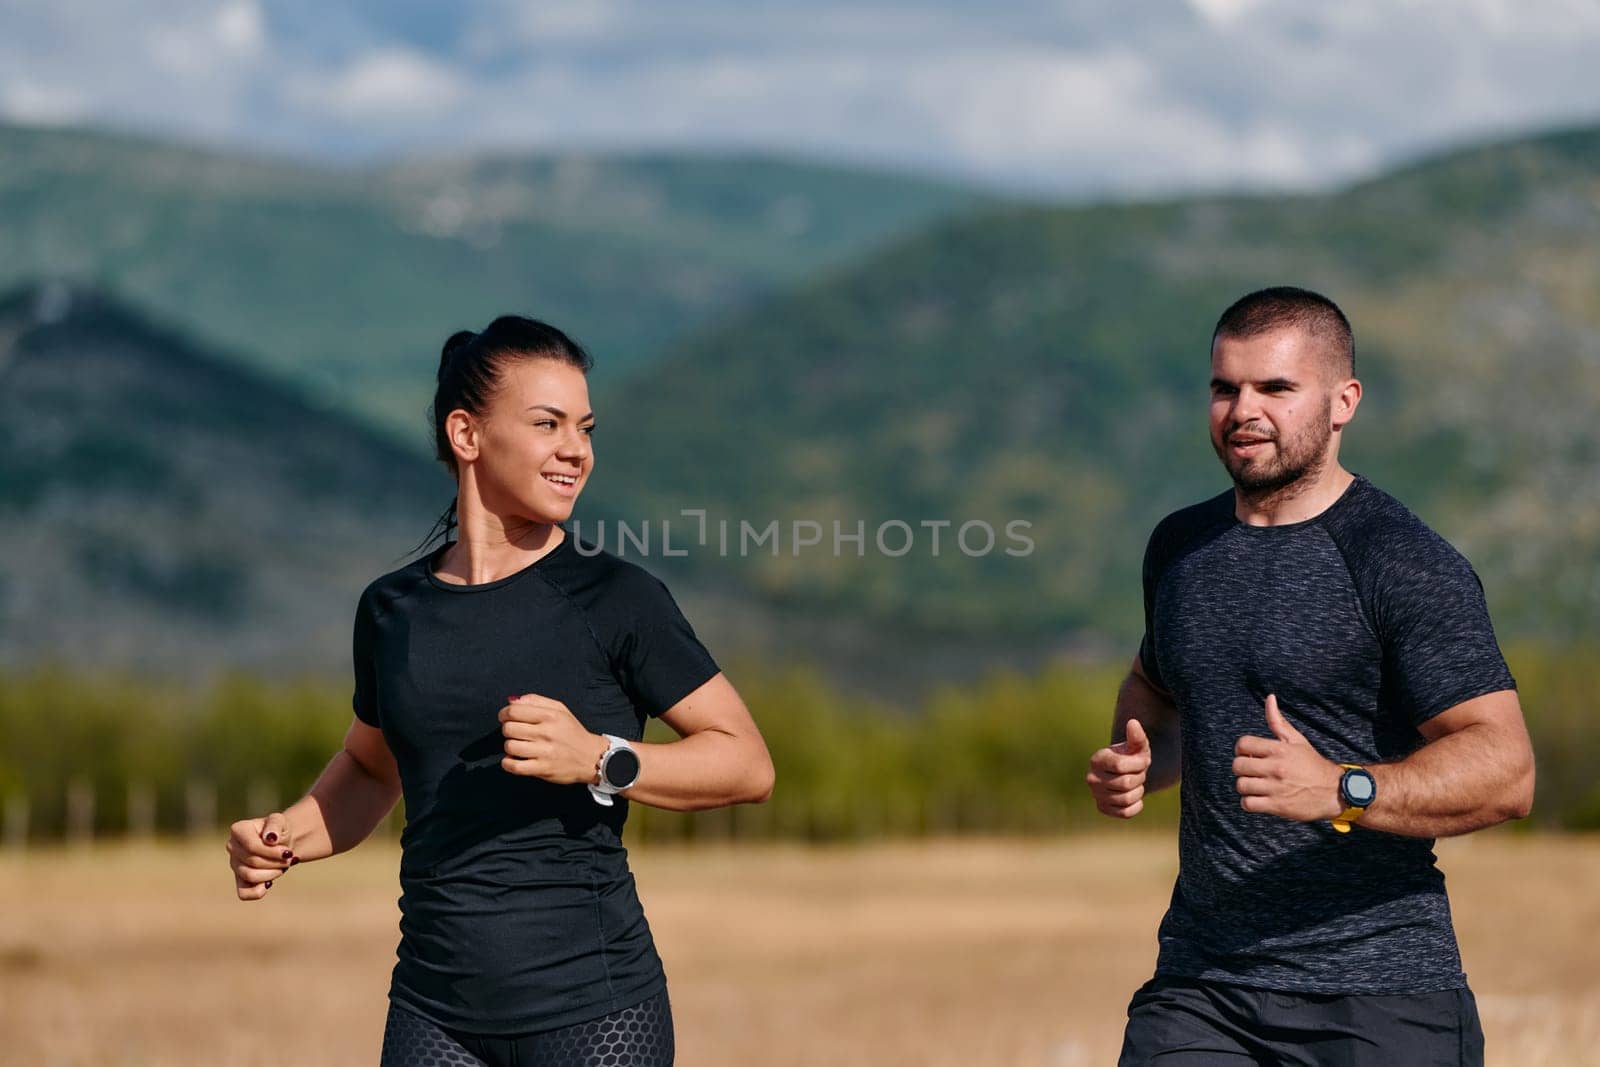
(956, 953)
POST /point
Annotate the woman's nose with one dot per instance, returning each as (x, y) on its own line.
(575, 446)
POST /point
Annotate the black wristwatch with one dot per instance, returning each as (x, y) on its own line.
(1357, 789)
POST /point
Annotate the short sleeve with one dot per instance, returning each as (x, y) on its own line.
(656, 655)
(1439, 645)
(365, 698)
(1151, 575)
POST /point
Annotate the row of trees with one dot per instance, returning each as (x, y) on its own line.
(110, 755)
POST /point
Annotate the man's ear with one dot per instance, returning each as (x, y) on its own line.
(1345, 401)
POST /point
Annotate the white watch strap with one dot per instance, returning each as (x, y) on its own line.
(603, 790)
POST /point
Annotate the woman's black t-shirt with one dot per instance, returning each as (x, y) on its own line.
(518, 911)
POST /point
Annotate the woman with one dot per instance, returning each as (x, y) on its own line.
(502, 683)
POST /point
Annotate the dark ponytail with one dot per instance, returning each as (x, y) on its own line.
(470, 365)
(458, 340)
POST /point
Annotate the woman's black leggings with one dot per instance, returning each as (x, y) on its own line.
(640, 1036)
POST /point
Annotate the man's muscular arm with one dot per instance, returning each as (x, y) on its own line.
(1140, 698)
(1476, 770)
(1145, 751)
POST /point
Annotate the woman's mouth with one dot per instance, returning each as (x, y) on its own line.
(565, 483)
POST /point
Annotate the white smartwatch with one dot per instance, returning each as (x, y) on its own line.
(619, 768)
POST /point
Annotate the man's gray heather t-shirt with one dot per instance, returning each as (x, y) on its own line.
(1365, 623)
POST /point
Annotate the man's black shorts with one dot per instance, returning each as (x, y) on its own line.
(1181, 1022)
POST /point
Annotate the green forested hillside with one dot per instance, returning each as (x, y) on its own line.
(165, 507)
(1050, 364)
(348, 280)
(166, 511)
(173, 514)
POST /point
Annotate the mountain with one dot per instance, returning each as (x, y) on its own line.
(1050, 365)
(347, 281)
(170, 507)
(165, 510)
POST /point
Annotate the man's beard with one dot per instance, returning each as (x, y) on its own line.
(1293, 458)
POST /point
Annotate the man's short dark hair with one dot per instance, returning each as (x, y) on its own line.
(1284, 305)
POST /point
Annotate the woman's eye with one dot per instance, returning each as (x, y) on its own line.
(589, 430)
(545, 422)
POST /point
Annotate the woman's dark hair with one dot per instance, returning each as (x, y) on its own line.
(470, 366)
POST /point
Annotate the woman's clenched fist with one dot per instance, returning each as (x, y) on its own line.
(259, 850)
(544, 739)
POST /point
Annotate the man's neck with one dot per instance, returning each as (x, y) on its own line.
(1296, 502)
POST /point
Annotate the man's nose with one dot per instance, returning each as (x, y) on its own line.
(1246, 406)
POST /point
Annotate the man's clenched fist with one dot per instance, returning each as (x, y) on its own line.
(1116, 774)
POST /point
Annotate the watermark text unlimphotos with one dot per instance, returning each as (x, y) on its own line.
(837, 537)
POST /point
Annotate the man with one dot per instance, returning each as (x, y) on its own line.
(1319, 669)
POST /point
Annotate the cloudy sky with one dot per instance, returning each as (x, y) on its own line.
(1087, 97)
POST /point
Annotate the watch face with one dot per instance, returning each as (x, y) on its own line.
(1359, 788)
(622, 767)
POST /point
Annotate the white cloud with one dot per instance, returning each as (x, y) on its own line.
(565, 20)
(211, 47)
(383, 85)
(24, 100)
(1223, 11)
(184, 65)
(239, 27)
(1092, 95)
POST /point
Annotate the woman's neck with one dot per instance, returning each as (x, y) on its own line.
(489, 547)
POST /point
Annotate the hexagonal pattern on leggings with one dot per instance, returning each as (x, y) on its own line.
(640, 1036)
(410, 1041)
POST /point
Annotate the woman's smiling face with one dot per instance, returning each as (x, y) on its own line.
(535, 453)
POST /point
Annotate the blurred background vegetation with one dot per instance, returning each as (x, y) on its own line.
(110, 756)
(214, 370)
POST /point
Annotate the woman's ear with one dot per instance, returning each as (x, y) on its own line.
(462, 431)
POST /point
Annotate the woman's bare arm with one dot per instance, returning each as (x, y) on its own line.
(359, 787)
(350, 798)
(719, 759)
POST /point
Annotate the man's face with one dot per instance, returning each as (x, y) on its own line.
(1272, 408)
